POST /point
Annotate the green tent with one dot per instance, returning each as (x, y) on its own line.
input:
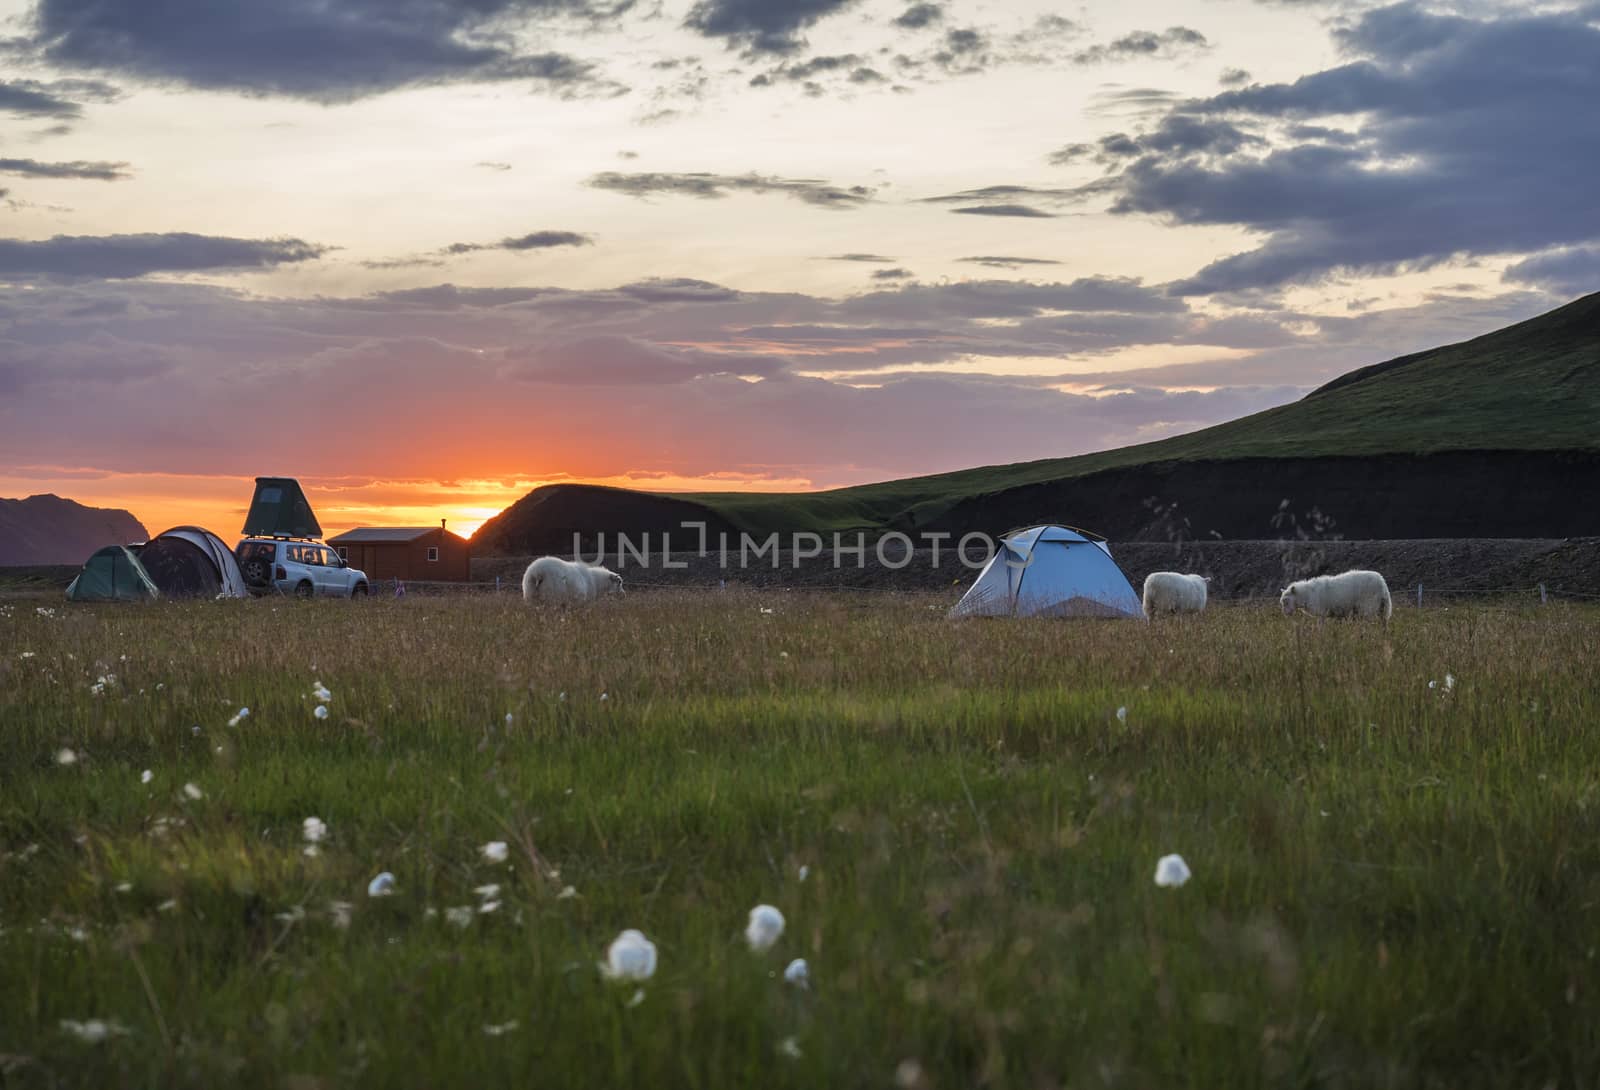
(280, 509)
(113, 574)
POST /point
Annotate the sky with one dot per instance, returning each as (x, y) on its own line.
(426, 255)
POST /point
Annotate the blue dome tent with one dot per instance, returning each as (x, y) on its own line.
(1050, 571)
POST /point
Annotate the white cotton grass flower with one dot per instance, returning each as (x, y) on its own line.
(65, 756)
(790, 1048)
(1449, 682)
(764, 929)
(630, 956)
(804, 872)
(798, 973)
(320, 692)
(193, 792)
(460, 916)
(1122, 714)
(320, 711)
(241, 716)
(908, 1075)
(1171, 871)
(93, 1031)
(381, 886)
(314, 829)
(567, 893)
(146, 776)
(604, 697)
(495, 851)
(488, 892)
(500, 1029)
(636, 998)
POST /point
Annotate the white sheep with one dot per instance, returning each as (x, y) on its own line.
(1174, 592)
(1348, 594)
(552, 579)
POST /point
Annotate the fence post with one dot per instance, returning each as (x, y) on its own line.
(497, 584)
(1419, 595)
(1541, 594)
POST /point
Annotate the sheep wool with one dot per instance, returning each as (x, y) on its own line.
(1348, 594)
(1174, 592)
(552, 579)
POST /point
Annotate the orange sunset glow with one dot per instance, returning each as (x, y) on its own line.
(161, 501)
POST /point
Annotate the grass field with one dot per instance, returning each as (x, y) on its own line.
(1394, 883)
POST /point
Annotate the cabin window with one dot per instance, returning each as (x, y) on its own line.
(433, 552)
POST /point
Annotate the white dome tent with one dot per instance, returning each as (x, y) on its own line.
(1050, 571)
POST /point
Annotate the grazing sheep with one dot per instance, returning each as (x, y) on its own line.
(1349, 594)
(1173, 592)
(552, 579)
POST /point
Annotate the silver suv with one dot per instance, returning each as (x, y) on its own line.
(298, 567)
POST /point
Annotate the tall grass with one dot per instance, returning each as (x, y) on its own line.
(1394, 885)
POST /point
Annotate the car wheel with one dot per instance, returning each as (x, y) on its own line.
(255, 571)
(302, 590)
(358, 591)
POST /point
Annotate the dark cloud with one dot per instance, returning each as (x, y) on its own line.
(706, 186)
(1134, 101)
(1000, 192)
(1566, 271)
(1004, 200)
(874, 259)
(971, 50)
(538, 240)
(33, 168)
(59, 98)
(918, 16)
(404, 263)
(1475, 139)
(761, 26)
(312, 49)
(1144, 44)
(116, 257)
(1233, 77)
(1000, 262)
(1020, 211)
(487, 165)
(809, 73)
(891, 274)
(808, 70)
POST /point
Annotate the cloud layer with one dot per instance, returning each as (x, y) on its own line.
(308, 48)
(1443, 136)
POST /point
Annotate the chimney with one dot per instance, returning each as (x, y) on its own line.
(441, 524)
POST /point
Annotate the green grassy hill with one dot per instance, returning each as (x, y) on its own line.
(1486, 414)
(1534, 386)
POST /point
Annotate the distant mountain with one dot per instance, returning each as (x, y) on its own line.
(50, 530)
(1498, 436)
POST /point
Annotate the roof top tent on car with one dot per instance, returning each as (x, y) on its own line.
(280, 509)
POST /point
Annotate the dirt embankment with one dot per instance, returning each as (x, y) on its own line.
(1458, 494)
(1239, 569)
